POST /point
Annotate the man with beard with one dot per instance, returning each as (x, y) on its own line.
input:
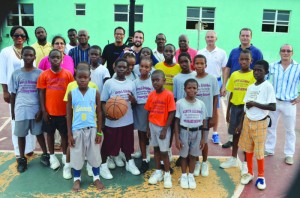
(113, 50)
(42, 47)
(183, 43)
(81, 52)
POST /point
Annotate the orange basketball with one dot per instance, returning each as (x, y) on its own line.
(116, 107)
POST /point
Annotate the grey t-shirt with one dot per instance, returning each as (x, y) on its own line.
(178, 84)
(143, 88)
(23, 84)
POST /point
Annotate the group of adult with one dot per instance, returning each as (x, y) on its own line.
(285, 74)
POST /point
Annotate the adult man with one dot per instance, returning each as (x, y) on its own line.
(285, 76)
(113, 50)
(183, 43)
(216, 62)
(42, 47)
(81, 52)
(160, 41)
(233, 63)
(72, 35)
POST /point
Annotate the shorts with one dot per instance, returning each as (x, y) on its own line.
(236, 112)
(23, 126)
(85, 146)
(154, 139)
(220, 86)
(140, 117)
(116, 139)
(56, 122)
(191, 143)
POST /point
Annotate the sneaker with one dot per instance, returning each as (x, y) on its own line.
(246, 178)
(178, 162)
(105, 172)
(118, 161)
(184, 183)
(63, 159)
(144, 167)
(137, 154)
(261, 183)
(67, 172)
(244, 169)
(45, 159)
(54, 163)
(192, 182)
(289, 160)
(197, 169)
(167, 180)
(231, 162)
(22, 164)
(155, 177)
(215, 138)
(170, 154)
(268, 153)
(89, 169)
(148, 153)
(131, 167)
(227, 144)
(110, 163)
(204, 169)
(122, 156)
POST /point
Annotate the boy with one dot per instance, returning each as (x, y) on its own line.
(190, 116)
(260, 99)
(25, 108)
(84, 140)
(238, 83)
(118, 133)
(52, 84)
(161, 108)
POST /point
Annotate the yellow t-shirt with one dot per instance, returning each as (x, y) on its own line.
(74, 85)
(238, 84)
(170, 72)
(41, 52)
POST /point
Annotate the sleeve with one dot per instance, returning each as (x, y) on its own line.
(204, 110)
(224, 61)
(171, 102)
(41, 83)
(175, 87)
(105, 92)
(3, 67)
(13, 85)
(246, 98)
(229, 62)
(106, 73)
(154, 60)
(271, 94)
(67, 92)
(71, 53)
(230, 84)
(178, 110)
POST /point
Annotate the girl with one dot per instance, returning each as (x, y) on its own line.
(145, 52)
(130, 57)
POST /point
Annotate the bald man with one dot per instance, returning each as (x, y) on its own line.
(183, 42)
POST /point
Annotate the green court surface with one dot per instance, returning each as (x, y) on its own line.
(40, 181)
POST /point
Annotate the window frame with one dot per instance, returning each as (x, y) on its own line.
(80, 9)
(20, 15)
(127, 13)
(204, 20)
(275, 22)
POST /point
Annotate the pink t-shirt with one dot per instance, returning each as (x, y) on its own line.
(192, 53)
(67, 63)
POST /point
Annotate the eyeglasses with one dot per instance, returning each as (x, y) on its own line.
(288, 51)
(59, 43)
(119, 34)
(19, 35)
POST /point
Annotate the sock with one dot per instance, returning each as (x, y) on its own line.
(158, 171)
(162, 162)
(230, 138)
(96, 171)
(167, 173)
(261, 167)
(76, 174)
(184, 175)
(67, 164)
(96, 177)
(145, 160)
(215, 132)
(249, 157)
(77, 178)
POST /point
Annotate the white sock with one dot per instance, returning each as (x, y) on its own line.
(215, 132)
(167, 173)
(158, 171)
(96, 177)
(67, 165)
(184, 175)
(145, 160)
(77, 178)
(162, 162)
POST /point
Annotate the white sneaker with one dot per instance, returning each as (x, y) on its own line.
(105, 172)
(170, 154)
(131, 167)
(118, 161)
(67, 172)
(167, 180)
(122, 156)
(197, 168)
(148, 153)
(63, 159)
(89, 169)
(110, 163)
(54, 163)
(261, 183)
(155, 177)
(184, 182)
(244, 169)
(192, 182)
(137, 154)
(246, 178)
(204, 169)
(231, 162)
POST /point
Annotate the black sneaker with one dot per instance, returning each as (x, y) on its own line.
(227, 144)
(178, 161)
(45, 159)
(22, 164)
(144, 167)
(162, 167)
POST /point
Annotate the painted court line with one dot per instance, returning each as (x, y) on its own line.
(3, 139)
(4, 124)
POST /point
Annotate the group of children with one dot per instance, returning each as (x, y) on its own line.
(164, 100)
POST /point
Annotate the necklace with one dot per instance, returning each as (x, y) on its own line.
(17, 52)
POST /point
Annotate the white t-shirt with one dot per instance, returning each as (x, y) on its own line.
(98, 75)
(178, 84)
(263, 94)
(143, 88)
(68, 48)
(191, 115)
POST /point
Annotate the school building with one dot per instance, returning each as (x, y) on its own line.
(273, 22)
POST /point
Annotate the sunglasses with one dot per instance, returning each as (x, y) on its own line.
(288, 51)
(19, 35)
(59, 43)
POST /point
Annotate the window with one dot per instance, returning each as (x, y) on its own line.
(122, 13)
(80, 9)
(205, 15)
(275, 21)
(21, 14)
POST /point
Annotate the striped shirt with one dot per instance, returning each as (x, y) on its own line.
(285, 82)
(78, 55)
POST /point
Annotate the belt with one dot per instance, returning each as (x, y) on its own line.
(219, 79)
(191, 129)
(270, 122)
(85, 128)
(239, 106)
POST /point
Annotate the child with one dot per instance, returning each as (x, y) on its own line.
(143, 87)
(189, 119)
(161, 108)
(25, 107)
(145, 52)
(131, 59)
(208, 92)
(52, 84)
(118, 134)
(84, 133)
(260, 99)
(238, 83)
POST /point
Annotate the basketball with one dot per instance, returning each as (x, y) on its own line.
(116, 107)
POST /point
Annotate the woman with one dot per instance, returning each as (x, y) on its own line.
(67, 63)
(11, 60)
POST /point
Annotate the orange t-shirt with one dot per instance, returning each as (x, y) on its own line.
(55, 85)
(159, 105)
